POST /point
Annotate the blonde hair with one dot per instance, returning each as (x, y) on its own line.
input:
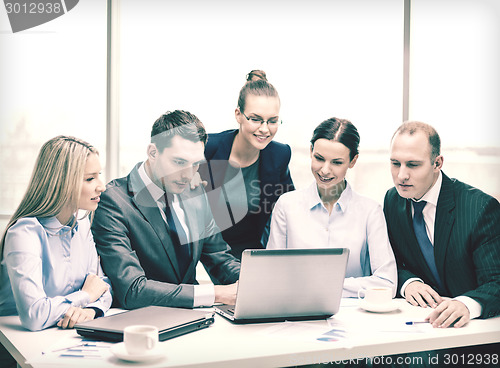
(56, 181)
(412, 127)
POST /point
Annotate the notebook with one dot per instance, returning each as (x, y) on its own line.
(171, 322)
(288, 284)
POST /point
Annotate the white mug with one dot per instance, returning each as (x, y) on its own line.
(376, 295)
(140, 339)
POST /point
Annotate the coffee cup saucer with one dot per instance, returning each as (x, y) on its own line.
(379, 308)
(121, 352)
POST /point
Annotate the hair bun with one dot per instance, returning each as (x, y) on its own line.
(256, 75)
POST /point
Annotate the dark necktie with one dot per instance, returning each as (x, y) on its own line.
(423, 240)
(178, 236)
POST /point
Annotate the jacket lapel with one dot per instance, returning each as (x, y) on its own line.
(267, 170)
(224, 146)
(218, 163)
(445, 218)
(149, 209)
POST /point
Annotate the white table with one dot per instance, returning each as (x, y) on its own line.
(227, 345)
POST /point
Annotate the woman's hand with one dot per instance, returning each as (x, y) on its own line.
(94, 286)
(75, 315)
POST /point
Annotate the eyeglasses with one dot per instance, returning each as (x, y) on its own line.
(259, 121)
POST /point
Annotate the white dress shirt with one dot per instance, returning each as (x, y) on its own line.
(47, 264)
(204, 295)
(300, 220)
(429, 213)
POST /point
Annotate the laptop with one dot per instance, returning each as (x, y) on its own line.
(288, 285)
(171, 322)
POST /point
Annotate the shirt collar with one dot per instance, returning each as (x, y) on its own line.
(432, 194)
(345, 197)
(53, 227)
(315, 200)
(153, 189)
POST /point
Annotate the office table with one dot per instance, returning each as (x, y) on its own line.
(257, 345)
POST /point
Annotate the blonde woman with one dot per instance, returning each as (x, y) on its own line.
(49, 266)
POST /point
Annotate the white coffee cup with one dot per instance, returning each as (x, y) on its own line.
(140, 339)
(376, 295)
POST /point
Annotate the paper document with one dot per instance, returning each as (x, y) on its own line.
(75, 351)
(325, 332)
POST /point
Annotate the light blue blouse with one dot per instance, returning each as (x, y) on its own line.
(300, 220)
(44, 266)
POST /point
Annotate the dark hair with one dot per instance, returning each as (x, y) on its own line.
(178, 122)
(256, 85)
(412, 127)
(339, 130)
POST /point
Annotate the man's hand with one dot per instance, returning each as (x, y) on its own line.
(196, 181)
(448, 312)
(226, 294)
(419, 294)
(75, 315)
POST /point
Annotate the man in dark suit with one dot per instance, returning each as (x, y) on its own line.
(445, 234)
(151, 229)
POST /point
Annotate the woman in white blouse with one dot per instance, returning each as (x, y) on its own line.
(49, 271)
(329, 214)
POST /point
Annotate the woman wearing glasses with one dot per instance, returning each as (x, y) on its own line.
(330, 214)
(49, 265)
(247, 171)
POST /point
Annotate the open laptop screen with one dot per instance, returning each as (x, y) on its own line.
(281, 284)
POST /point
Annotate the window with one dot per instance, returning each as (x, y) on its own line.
(340, 58)
(53, 82)
(454, 84)
(326, 58)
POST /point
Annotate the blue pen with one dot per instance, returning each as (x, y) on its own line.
(415, 322)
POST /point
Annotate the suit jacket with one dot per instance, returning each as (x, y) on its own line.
(137, 253)
(274, 174)
(466, 243)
